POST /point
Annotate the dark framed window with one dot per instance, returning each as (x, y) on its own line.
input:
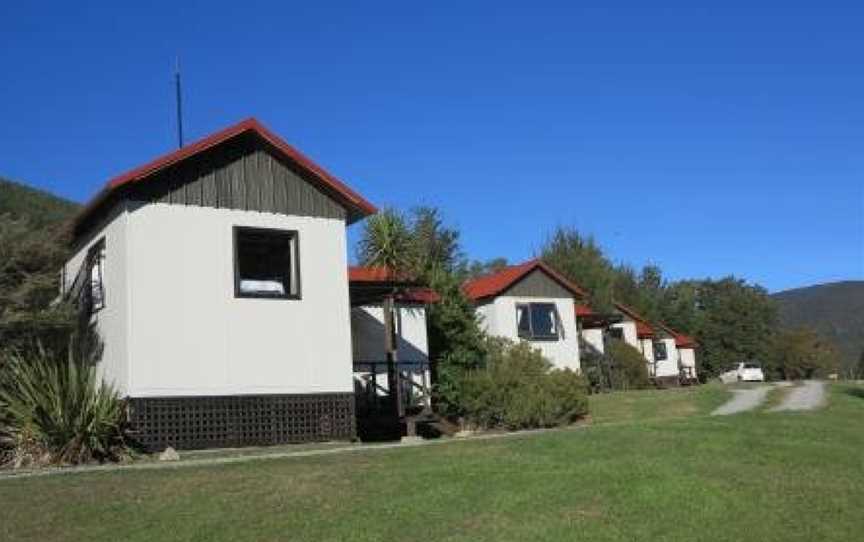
(617, 333)
(660, 353)
(538, 322)
(95, 290)
(266, 263)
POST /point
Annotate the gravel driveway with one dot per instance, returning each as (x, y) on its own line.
(808, 395)
(742, 401)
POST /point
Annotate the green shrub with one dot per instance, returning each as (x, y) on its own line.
(56, 409)
(455, 342)
(622, 367)
(629, 369)
(594, 371)
(519, 389)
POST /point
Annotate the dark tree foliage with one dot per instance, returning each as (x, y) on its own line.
(803, 353)
(455, 339)
(436, 245)
(30, 261)
(456, 342)
(652, 286)
(387, 241)
(421, 245)
(417, 244)
(734, 321)
(860, 367)
(626, 286)
(476, 268)
(680, 305)
(581, 260)
(642, 291)
(33, 249)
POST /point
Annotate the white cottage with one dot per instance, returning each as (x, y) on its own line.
(657, 346)
(635, 331)
(534, 303)
(686, 347)
(217, 278)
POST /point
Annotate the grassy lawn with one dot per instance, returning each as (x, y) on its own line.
(755, 476)
(651, 405)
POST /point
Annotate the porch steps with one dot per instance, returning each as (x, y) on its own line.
(427, 424)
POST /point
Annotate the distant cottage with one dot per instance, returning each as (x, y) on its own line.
(531, 302)
(670, 355)
(534, 303)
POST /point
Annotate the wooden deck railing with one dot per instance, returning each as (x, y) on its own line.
(370, 385)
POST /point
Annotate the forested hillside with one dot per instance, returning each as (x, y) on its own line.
(32, 251)
(835, 310)
(38, 207)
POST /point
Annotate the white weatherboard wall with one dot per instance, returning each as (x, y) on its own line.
(499, 319)
(687, 357)
(669, 366)
(646, 346)
(594, 338)
(112, 320)
(367, 338)
(189, 335)
(367, 333)
(629, 330)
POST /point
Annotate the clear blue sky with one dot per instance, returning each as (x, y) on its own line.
(707, 140)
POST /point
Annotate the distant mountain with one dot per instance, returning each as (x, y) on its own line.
(835, 310)
(40, 207)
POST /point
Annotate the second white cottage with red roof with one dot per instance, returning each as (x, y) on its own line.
(533, 303)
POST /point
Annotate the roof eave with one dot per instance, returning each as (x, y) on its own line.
(357, 206)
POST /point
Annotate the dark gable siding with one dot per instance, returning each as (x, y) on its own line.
(537, 284)
(242, 175)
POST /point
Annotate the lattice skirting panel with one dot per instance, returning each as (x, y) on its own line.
(241, 420)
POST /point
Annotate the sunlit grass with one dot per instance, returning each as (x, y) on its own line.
(754, 476)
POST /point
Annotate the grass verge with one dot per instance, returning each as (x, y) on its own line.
(654, 405)
(753, 476)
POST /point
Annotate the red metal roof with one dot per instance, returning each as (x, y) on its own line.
(584, 310)
(643, 328)
(371, 274)
(681, 340)
(685, 341)
(495, 283)
(419, 295)
(384, 275)
(337, 188)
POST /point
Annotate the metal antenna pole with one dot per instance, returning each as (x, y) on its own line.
(179, 105)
